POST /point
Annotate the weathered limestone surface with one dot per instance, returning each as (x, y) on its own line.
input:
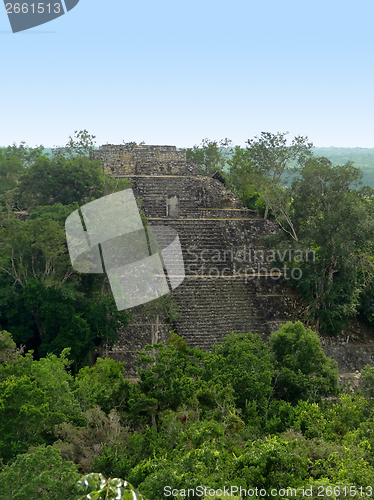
(126, 160)
(229, 285)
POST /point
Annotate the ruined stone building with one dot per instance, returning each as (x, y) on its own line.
(220, 240)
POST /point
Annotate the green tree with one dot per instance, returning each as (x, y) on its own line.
(35, 248)
(58, 180)
(102, 384)
(367, 381)
(211, 157)
(271, 156)
(23, 153)
(48, 319)
(209, 464)
(242, 361)
(11, 168)
(366, 300)
(83, 444)
(8, 348)
(34, 397)
(82, 144)
(273, 463)
(168, 377)
(320, 187)
(335, 219)
(303, 371)
(44, 303)
(40, 473)
(244, 179)
(280, 202)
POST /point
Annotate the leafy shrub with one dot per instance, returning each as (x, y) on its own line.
(243, 362)
(303, 371)
(273, 463)
(367, 381)
(34, 397)
(41, 473)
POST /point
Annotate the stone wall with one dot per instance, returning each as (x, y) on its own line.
(221, 292)
(127, 160)
(195, 194)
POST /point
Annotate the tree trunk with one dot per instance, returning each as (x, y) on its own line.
(154, 421)
(266, 211)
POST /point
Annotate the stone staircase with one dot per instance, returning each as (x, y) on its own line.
(218, 243)
(212, 308)
(215, 300)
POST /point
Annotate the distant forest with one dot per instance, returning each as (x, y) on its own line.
(362, 158)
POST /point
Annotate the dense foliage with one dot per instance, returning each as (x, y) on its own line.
(44, 303)
(246, 415)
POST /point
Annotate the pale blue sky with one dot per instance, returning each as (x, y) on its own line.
(175, 72)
